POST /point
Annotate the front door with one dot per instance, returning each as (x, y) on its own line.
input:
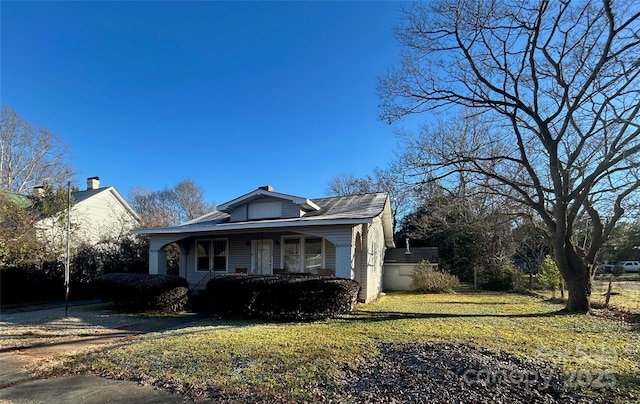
(262, 257)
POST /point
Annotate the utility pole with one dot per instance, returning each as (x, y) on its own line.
(66, 259)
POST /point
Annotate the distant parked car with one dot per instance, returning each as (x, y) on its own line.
(605, 268)
(629, 266)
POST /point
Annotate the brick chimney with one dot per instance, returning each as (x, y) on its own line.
(38, 191)
(266, 188)
(93, 183)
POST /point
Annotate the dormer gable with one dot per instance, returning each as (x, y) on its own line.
(263, 203)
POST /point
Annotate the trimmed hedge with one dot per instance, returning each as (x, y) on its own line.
(281, 297)
(143, 292)
(30, 284)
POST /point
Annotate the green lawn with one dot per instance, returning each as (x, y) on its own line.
(625, 292)
(300, 361)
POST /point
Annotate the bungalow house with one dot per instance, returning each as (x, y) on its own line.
(267, 232)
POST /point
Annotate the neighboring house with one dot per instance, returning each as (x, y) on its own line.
(266, 232)
(97, 214)
(20, 200)
(399, 264)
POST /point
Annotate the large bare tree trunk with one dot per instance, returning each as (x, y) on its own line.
(576, 275)
(579, 294)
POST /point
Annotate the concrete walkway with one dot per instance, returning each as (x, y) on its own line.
(18, 385)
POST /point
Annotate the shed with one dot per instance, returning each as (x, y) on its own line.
(399, 265)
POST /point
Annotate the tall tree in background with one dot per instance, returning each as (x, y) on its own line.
(170, 206)
(30, 156)
(624, 244)
(557, 84)
(471, 233)
(389, 180)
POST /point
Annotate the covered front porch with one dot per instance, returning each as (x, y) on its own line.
(300, 251)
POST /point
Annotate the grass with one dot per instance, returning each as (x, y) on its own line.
(625, 293)
(304, 361)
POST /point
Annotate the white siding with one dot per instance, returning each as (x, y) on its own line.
(375, 247)
(398, 276)
(264, 210)
(239, 214)
(101, 217)
(290, 210)
(96, 219)
(329, 255)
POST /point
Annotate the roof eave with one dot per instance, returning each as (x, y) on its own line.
(304, 202)
(267, 224)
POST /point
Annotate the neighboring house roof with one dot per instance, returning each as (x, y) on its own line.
(412, 256)
(81, 196)
(352, 209)
(22, 201)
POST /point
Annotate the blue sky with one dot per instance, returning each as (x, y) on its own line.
(232, 95)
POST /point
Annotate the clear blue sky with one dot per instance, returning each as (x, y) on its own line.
(232, 95)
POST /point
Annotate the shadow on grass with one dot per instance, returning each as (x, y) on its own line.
(80, 340)
(376, 316)
(480, 303)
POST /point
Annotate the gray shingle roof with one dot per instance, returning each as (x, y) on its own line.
(79, 196)
(349, 207)
(361, 206)
(397, 255)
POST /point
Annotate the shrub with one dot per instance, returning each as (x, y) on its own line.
(31, 283)
(281, 297)
(549, 276)
(428, 280)
(143, 292)
(499, 276)
(435, 282)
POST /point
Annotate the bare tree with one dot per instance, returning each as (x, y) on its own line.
(30, 156)
(190, 198)
(349, 184)
(556, 83)
(390, 180)
(170, 206)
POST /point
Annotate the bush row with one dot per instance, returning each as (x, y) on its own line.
(42, 281)
(281, 297)
(143, 292)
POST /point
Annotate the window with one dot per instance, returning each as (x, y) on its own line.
(219, 255)
(202, 257)
(302, 254)
(312, 254)
(292, 254)
(211, 255)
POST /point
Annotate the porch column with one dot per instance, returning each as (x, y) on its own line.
(182, 263)
(158, 262)
(344, 261)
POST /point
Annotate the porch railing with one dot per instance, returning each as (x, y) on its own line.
(202, 283)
